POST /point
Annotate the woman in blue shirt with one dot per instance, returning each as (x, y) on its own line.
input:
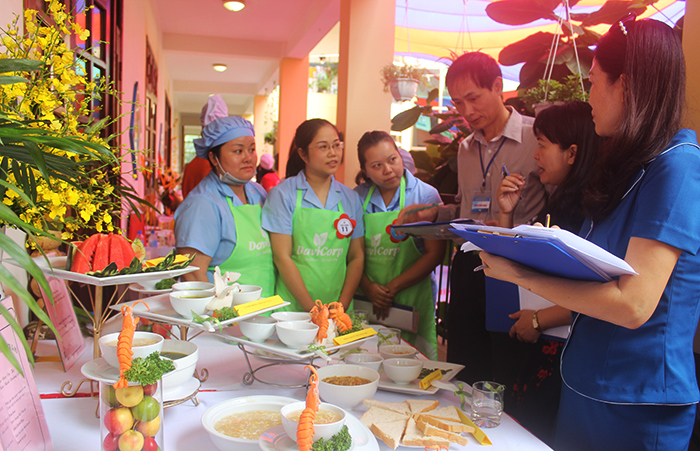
(220, 220)
(397, 267)
(628, 367)
(315, 224)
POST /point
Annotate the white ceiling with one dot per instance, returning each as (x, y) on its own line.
(252, 42)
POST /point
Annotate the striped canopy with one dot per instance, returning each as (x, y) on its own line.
(430, 29)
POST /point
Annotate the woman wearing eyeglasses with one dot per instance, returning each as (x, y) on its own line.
(315, 224)
(628, 367)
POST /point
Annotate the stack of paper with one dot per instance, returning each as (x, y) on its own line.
(554, 251)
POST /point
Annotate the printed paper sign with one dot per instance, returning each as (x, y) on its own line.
(71, 344)
(22, 422)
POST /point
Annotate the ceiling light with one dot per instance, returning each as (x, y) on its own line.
(219, 67)
(234, 5)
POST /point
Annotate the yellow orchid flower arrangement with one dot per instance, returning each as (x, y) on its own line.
(58, 96)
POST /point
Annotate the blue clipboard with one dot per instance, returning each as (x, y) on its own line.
(542, 255)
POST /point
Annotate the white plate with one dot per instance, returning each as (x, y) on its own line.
(101, 371)
(139, 289)
(162, 312)
(183, 391)
(275, 439)
(58, 269)
(281, 351)
(412, 388)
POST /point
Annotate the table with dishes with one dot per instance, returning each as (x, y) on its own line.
(222, 365)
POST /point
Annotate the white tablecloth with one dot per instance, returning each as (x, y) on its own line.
(73, 426)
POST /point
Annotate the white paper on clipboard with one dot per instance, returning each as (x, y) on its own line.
(531, 301)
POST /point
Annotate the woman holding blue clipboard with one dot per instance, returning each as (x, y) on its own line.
(628, 366)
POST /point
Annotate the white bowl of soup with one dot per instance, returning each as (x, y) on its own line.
(238, 423)
(347, 385)
(194, 285)
(330, 420)
(296, 334)
(248, 293)
(258, 328)
(184, 355)
(143, 345)
(397, 351)
(402, 371)
(292, 316)
(369, 360)
(186, 302)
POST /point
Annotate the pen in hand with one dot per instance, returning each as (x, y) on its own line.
(505, 172)
(427, 207)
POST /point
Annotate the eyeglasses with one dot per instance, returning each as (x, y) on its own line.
(337, 147)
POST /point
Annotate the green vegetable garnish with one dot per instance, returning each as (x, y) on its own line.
(356, 325)
(219, 315)
(313, 348)
(165, 284)
(339, 442)
(426, 371)
(462, 395)
(149, 370)
(352, 351)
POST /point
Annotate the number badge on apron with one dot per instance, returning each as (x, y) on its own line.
(344, 226)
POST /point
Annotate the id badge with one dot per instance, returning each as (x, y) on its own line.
(481, 203)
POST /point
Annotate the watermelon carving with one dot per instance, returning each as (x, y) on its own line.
(98, 251)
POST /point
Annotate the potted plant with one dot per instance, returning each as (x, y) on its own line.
(402, 80)
(553, 92)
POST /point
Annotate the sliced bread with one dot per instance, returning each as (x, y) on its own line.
(415, 437)
(446, 413)
(377, 414)
(430, 430)
(420, 405)
(390, 432)
(450, 426)
(400, 407)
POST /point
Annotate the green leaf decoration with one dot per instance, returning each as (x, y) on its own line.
(521, 12)
(612, 11)
(406, 119)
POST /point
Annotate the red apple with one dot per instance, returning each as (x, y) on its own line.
(119, 420)
(129, 396)
(149, 390)
(110, 442)
(131, 441)
(150, 444)
(149, 428)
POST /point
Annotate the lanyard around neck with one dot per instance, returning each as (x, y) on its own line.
(481, 160)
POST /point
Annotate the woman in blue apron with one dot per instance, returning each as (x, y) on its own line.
(397, 267)
(315, 224)
(220, 220)
(628, 366)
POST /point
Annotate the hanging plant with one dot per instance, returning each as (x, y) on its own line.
(402, 80)
(535, 49)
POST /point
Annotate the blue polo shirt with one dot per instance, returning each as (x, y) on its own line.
(653, 364)
(204, 221)
(278, 210)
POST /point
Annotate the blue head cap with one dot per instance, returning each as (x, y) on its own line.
(221, 131)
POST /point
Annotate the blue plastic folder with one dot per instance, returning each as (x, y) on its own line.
(540, 254)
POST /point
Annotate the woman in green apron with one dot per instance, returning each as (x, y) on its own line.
(220, 220)
(315, 224)
(397, 270)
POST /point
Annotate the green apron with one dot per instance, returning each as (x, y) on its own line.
(252, 256)
(318, 252)
(386, 257)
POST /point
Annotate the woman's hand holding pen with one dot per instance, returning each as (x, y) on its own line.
(509, 192)
(417, 213)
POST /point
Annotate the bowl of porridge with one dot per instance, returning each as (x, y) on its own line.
(143, 345)
(238, 423)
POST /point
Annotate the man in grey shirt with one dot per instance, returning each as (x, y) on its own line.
(501, 138)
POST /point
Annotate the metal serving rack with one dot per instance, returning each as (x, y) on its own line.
(250, 376)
